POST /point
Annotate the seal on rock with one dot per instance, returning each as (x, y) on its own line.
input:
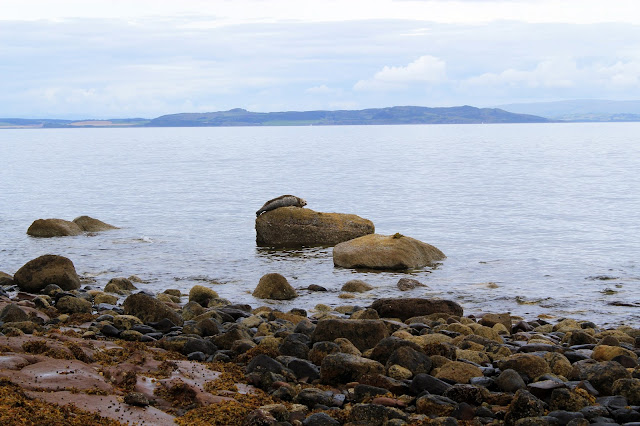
(282, 201)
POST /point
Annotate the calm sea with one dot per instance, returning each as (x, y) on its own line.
(534, 218)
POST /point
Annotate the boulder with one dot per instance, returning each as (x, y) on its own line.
(274, 286)
(36, 274)
(406, 308)
(46, 228)
(344, 368)
(149, 309)
(364, 334)
(385, 252)
(89, 224)
(296, 227)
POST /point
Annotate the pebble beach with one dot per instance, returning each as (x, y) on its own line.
(124, 355)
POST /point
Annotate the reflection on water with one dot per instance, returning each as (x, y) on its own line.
(534, 219)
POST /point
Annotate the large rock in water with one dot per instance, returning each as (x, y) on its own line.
(90, 224)
(298, 227)
(385, 252)
(46, 228)
(38, 273)
(415, 307)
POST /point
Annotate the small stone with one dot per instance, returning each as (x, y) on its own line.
(137, 399)
(274, 286)
(356, 286)
(510, 381)
(406, 284)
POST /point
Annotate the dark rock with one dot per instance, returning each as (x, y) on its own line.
(435, 405)
(426, 382)
(524, 404)
(316, 287)
(601, 375)
(344, 368)
(305, 327)
(625, 415)
(302, 369)
(385, 347)
(463, 411)
(164, 325)
(406, 308)
(544, 388)
(374, 414)
(137, 399)
(109, 330)
(149, 309)
(474, 395)
(36, 274)
(411, 359)
(580, 337)
(510, 381)
(564, 417)
(593, 411)
(119, 285)
(321, 350)
(197, 356)
(295, 344)
(263, 362)
(199, 345)
(319, 419)
(362, 392)
(364, 334)
(396, 387)
(314, 396)
(13, 313)
(227, 339)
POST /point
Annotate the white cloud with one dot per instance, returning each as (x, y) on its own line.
(426, 69)
(322, 90)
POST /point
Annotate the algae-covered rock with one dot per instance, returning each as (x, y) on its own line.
(202, 295)
(344, 368)
(89, 224)
(36, 274)
(390, 252)
(274, 286)
(298, 227)
(46, 228)
(356, 286)
(73, 305)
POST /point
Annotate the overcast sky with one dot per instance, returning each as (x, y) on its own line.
(140, 58)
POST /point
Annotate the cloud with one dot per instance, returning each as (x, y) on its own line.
(322, 90)
(426, 69)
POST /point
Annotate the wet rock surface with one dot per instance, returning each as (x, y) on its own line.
(196, 359)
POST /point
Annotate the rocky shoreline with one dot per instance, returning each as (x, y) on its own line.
(73, 353)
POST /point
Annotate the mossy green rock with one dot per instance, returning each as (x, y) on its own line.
(73, 305)
(202, 295)
(89, 224)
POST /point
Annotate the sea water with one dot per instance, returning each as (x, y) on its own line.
(535, 219)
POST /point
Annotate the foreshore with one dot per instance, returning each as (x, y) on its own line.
(121, 355)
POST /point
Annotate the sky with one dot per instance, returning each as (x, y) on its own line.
(80, 59)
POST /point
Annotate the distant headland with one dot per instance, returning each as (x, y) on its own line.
(241, 117)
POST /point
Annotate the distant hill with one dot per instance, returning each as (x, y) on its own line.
(392, 115)
(580, 110)
(35, 123)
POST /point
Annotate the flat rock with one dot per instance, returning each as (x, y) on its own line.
(390, 252)
(406, 308)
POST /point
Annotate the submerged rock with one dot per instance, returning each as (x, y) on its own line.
(385, 252)
(89, 224)
(297, 227)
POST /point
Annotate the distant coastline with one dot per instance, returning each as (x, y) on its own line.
(241, 117)
(543, 112)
